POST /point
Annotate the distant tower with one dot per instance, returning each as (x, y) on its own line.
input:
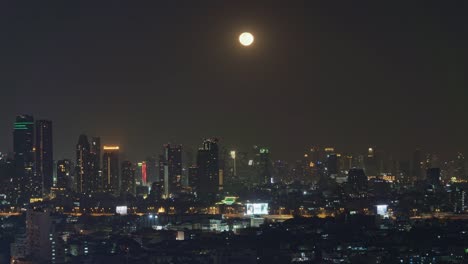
(332, 164)
(264, 166)
(63, 174)
(44, 155)
(110, 167)
(433, 176)
(418, 165)
(357, 180)
(173, 161)
(128, 178)
(95, 164)
(23, 147)
(208, 167)
(83, 166)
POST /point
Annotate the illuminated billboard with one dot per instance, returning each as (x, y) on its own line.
(382, 210)
(121, 210)
(256, 208)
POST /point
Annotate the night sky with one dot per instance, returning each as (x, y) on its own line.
(336, 73)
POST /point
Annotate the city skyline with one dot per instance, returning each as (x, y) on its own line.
(138, 75)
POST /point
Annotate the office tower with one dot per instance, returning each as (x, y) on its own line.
(144, 173)
(264, 165)
(83, 166)
(95, 164)
(433, 176)
(173, 161)
(23, 147)
(194, 181)
(152, 170)
(44, 242)
(128, 178)
(141, 174)
(459, 168)
(357, 180)
(418, 165)
(332, 164)
(208, 167)
(44, 155)
(161, 166)
(371, 163)
(64, 174)
(7, 175)
(110, 168)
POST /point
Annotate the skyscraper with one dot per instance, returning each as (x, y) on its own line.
(357, 180)
(44, 155)
(433, 176)
(128, 178)
(83, 165)
(173, 161)
(95, 164)
(264, 166)
(23, 147)
(418, 165)
(63, 174)
(208, 167)
(110, 167)
(193, 179)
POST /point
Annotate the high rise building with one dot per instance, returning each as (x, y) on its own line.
(64, 174)
(44, 155)
(110, 167)
(264, 165)
(460, 168)
(44, 241)
(128, 178)
(371, 163)
(152, 170)
(173, 161)
(208, 167)
(332, 164)
(433, 176)
(357, 180)
(23, 147)
(83, 166)
(95, 164)
(194, 181)
(418, 166)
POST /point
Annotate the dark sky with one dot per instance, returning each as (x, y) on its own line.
(340, 73)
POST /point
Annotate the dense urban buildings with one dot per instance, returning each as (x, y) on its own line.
(233, 132)
(228, 194)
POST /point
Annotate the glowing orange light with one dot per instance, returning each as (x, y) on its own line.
(111, 147)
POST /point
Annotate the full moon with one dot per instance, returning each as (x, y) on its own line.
(246, 39)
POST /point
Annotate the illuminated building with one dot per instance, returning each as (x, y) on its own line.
(95, 164)
(128, 178)
(264, 166)
(23, 147)
(44, 155)
(144, 176)
(44, 242)
(63, 174)
(208, 167)
(83, 166)
(370, 163)
(173, 167)
(110, 168)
